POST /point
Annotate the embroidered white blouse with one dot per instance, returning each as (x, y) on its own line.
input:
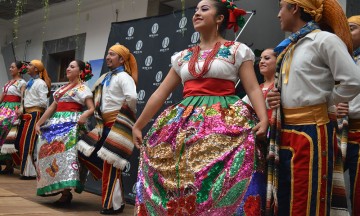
(15, 88)
(320, 59)
(36, 95)
(226, 63)
(122, 89)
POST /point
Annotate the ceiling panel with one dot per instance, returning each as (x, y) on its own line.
(7, 7)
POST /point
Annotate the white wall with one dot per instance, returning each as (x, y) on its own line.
(343, 4)
(95, 20)
(5, 32)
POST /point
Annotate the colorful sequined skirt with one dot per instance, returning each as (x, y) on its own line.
(8, 119)
(57, 163)
(8, 125)
(200, 158)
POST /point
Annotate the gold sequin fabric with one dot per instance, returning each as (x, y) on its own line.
(200, 158)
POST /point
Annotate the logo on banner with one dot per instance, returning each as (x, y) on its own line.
(158, 78)
(165, 44)
(140, 97)
(182, 25)
(134, 189)
(154, 30)
(194, 39)
(168, 99)
(127, 167)
(126, 170)
(132, 192)
(148, 62)
(138, 47)
(130, 33)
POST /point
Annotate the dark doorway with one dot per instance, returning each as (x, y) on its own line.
(59, 62)
(58, 53)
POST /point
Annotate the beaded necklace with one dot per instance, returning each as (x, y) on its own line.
(59, 93)
(208, 60)
(8, 85)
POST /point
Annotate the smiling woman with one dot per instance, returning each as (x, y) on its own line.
(267, 66)
(199, 157)
(59, 130)
(10, 102)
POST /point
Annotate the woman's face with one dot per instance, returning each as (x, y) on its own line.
(14, 71)
(73, 71)
(267, 64)
(204, 17)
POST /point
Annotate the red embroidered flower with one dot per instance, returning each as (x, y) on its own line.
(252, 206)
(182, 206)
(142, 210)
(188, 111)
(55, 147)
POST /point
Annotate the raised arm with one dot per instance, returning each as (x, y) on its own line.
(154, 103)
(1, 97)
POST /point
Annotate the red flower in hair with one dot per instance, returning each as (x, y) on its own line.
(23, 69)
(236, 18)
(87, 73)
(235, 15)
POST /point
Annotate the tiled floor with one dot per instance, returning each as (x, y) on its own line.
(17, 197)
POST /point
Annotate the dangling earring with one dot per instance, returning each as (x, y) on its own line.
(217, 29)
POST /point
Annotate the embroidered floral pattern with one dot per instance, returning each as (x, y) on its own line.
(73, 91)
(252, 206)
(142, 210)
(182, 206)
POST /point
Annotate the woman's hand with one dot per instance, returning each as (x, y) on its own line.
(261, 128)
(37, 129)
(273, 98)
(342, 110)
(82, 120)
(19, 111)
(137, 137)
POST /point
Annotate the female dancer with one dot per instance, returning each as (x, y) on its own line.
(267, 66)
(10, 101)
(200, 157)
(57, 163)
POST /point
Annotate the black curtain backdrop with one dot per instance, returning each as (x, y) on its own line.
(152, 41)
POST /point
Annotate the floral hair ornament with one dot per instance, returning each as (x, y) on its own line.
(87, 73)
(236, 18)
(23, 69)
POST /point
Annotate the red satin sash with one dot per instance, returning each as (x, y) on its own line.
(208, 87)
(69, 107)
(11, 98)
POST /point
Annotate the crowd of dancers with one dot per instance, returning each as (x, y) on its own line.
(280, 150)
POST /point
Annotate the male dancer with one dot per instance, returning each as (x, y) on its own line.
(310, 61)
(115, 106)
(34, 105)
